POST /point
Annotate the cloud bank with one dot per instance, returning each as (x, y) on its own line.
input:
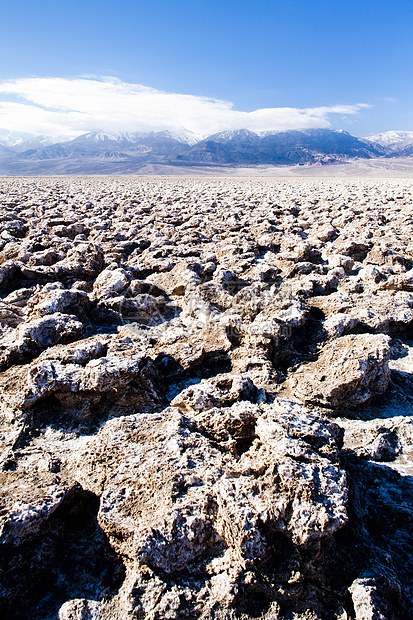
(70, 107)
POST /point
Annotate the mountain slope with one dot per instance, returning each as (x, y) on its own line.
(106, 153)
(392, 139)
(4, 150)
(155, 145)
(286, 147)
(20, 141)
(396, 143)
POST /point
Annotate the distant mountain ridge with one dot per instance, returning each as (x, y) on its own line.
(398, 143)
(245, 147)
(22, 153)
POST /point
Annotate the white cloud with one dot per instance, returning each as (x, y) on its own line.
(59, 106)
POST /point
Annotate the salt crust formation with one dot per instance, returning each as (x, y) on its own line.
(206, 398)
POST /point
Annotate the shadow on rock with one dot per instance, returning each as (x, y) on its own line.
(378, 538)
(69, 557)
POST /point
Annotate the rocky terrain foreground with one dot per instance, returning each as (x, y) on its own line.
(206, 399)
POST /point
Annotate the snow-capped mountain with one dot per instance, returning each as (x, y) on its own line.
(156, 146)
(181, 135)
(116, 153)
(392, 139)
(399, 143)
(234, 135)
(20, 141)
(280, 148)
(132, 137)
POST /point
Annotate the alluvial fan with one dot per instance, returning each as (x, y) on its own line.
(206, 399)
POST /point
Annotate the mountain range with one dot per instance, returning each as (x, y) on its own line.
(107, 153)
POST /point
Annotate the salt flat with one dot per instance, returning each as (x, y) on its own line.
(206, 397)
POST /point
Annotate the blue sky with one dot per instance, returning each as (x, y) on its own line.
(256, 55)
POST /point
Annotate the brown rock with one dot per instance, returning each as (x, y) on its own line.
(348, 372)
